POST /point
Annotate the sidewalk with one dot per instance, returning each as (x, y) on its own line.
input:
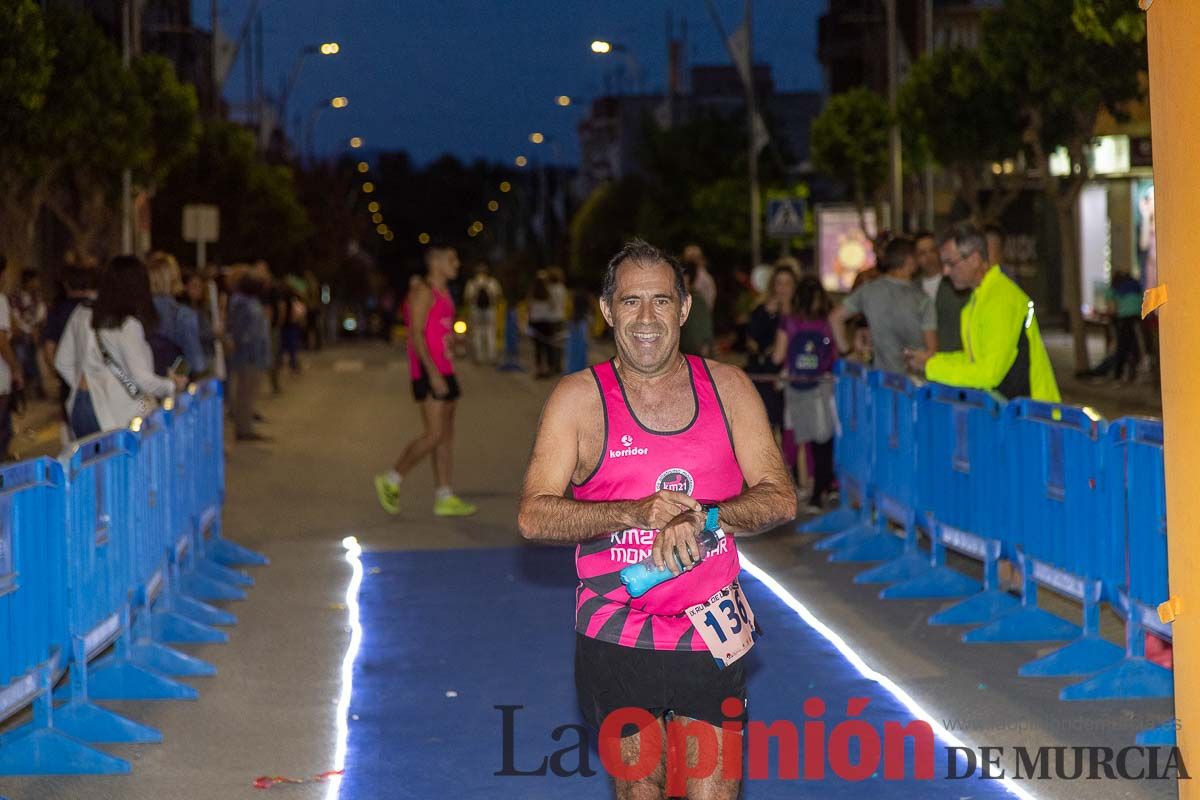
(1108, 397)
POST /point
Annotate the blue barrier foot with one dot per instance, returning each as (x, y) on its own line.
(1024, 625)
(206, 588)
(168, 661)
(201, 612)
(904, 568)
(834, 521)
(1084, 656)
(174, 628)
(1161, 736)
(877, 547)
(89, 722)
(234, 577)
(851, 535)
(1132, 679)
(935, 582)
(979, 609)
(118, 679)
(232, 554)
(45, 751)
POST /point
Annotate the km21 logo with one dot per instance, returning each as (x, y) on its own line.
(675, 480)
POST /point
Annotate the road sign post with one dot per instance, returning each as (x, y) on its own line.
(202, 224)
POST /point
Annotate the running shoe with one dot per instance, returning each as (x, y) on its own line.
(389, 494)
(453, 506)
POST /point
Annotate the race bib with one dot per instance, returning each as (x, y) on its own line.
(726, 624)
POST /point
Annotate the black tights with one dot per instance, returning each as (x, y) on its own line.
(822, 470)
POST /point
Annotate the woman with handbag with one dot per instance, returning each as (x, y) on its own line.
(104, 357)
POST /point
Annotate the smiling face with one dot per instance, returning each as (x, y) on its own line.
(646, 314)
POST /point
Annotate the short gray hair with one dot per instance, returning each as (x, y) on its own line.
(643, 253)
(967, 238)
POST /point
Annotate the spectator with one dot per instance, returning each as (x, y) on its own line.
(483, 295)
(177, 335)
(294, 315)
(104, 356)
(195, 297)
(556, 284)
(250, 338)
(703, 283)
(313, 334)
(804, 345)
(1125, 297)
(761, 331)
(696, 335)
(948, 302)
(79, 287)
(11, 377)
(1003, 348)
(541, 321)
(900, 315)
(29, 315)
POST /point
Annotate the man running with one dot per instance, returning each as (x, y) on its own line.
(429, 315)
(656, 447)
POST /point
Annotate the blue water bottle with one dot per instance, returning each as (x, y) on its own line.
(643, 576)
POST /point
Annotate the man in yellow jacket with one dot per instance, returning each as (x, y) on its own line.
(1002, 345)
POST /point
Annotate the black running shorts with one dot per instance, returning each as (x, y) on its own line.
(422, 391)
(685, 683)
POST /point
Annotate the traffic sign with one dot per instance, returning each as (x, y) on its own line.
(785, 218)
(201, 223)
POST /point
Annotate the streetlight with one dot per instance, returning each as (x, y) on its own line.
(521, 161)
(505, 187)
(356, 142)
(423, 238)
(493, 206)
(325, 49)
(563, 100)
(363, 166)
(373, 207)
(603, 48)
(377, 217)
(536, 138)
(368, 187)
(320, 108)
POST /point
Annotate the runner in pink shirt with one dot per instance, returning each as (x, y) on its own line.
(634, 458)
(429, 316)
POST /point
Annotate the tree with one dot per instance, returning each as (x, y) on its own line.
(850, 145)
(25, 69)
(950, 107)
(1066, 60)
(261, 215)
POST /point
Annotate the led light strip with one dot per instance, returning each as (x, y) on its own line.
(863, 668)
(341, 722)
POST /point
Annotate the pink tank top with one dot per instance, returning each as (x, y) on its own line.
(439, 332)
(698, 460)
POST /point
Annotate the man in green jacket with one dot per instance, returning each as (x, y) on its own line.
(1002, 348)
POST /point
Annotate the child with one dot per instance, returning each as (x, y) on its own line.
(804, 345)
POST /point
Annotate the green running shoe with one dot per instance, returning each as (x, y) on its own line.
(453, 506)
(389, 494)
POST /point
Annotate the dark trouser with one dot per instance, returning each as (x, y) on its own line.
(83, 415)
(547, 355)
(1128, 352)
(822, 453)
(289, 344)
(245, 393)
(6, 428)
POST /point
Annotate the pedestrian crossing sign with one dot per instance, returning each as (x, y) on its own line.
(785, 218)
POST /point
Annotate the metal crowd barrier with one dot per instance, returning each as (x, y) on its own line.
(1075, 505)
(97, 550)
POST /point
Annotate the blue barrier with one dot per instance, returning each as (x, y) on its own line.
(95, 550)
(1058, 532)
(853, 448)
(1136, 575)
(893, 484)
(577, 346)
(960, 469)
(512, 343)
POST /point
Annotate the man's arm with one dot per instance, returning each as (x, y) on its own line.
(993, 354)
(545, 514)
(769, 498)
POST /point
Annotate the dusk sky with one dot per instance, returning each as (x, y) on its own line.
(475, 77)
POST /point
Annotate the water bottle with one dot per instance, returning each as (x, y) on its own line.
(643, 576)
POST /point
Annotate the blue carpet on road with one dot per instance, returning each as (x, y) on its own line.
(449, 635)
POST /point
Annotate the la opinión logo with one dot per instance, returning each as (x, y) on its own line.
(852, 750)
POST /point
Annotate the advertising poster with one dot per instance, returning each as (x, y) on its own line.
(843, 248)
(1145, 243)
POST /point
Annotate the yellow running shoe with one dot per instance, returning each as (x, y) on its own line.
(389, 494)
(453, 506)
